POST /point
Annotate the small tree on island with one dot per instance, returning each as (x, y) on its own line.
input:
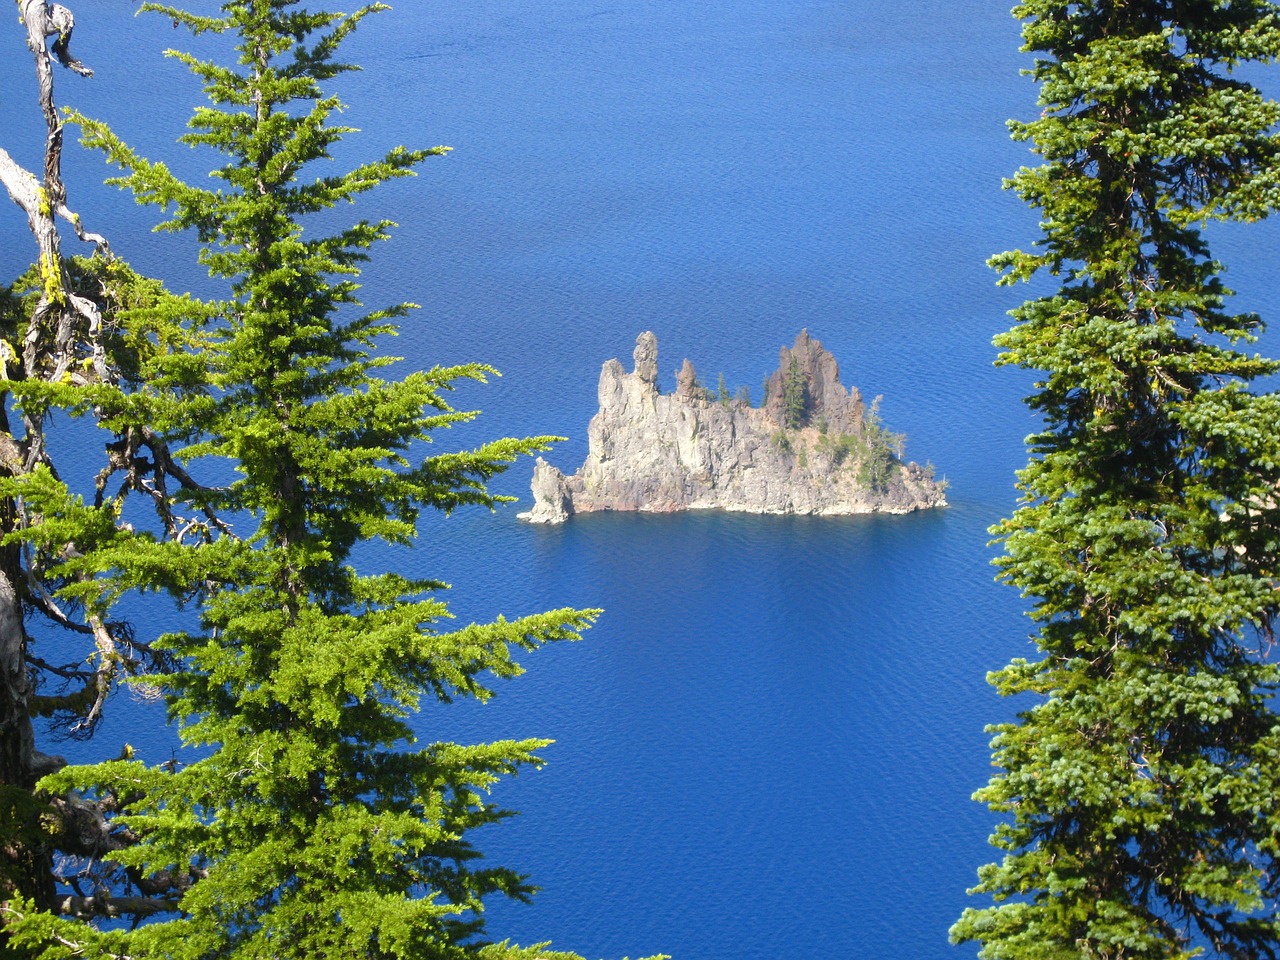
(879, 450)
(311, 826)
(795, 396)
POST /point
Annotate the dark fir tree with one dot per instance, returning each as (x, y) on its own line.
(1140, 794)
(795, 396)
(314, 826)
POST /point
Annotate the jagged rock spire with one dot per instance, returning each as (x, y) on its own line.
(646, 359)
(829, 401)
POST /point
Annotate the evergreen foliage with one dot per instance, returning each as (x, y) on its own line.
(879, 450)
(313, 826)
(795, 396)
(875, 451)
(1140, 794)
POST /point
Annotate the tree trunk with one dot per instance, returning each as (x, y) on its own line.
(26, 867)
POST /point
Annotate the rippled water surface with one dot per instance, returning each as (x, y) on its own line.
(766, 747)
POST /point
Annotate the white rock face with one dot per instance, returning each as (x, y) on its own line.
(691, 451)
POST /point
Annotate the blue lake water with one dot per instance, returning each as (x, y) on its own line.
(767, 745)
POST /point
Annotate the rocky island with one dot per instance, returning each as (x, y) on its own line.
(811, 447)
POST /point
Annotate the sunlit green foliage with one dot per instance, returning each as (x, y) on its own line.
(873, 450)
(314, 825)
(1140, 791)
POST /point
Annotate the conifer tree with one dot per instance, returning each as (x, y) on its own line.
(313, 827)
(795, 396)
(1140, 794)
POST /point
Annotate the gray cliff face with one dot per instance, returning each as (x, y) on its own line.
(688, 450)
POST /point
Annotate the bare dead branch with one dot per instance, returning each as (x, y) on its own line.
(67, 671)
